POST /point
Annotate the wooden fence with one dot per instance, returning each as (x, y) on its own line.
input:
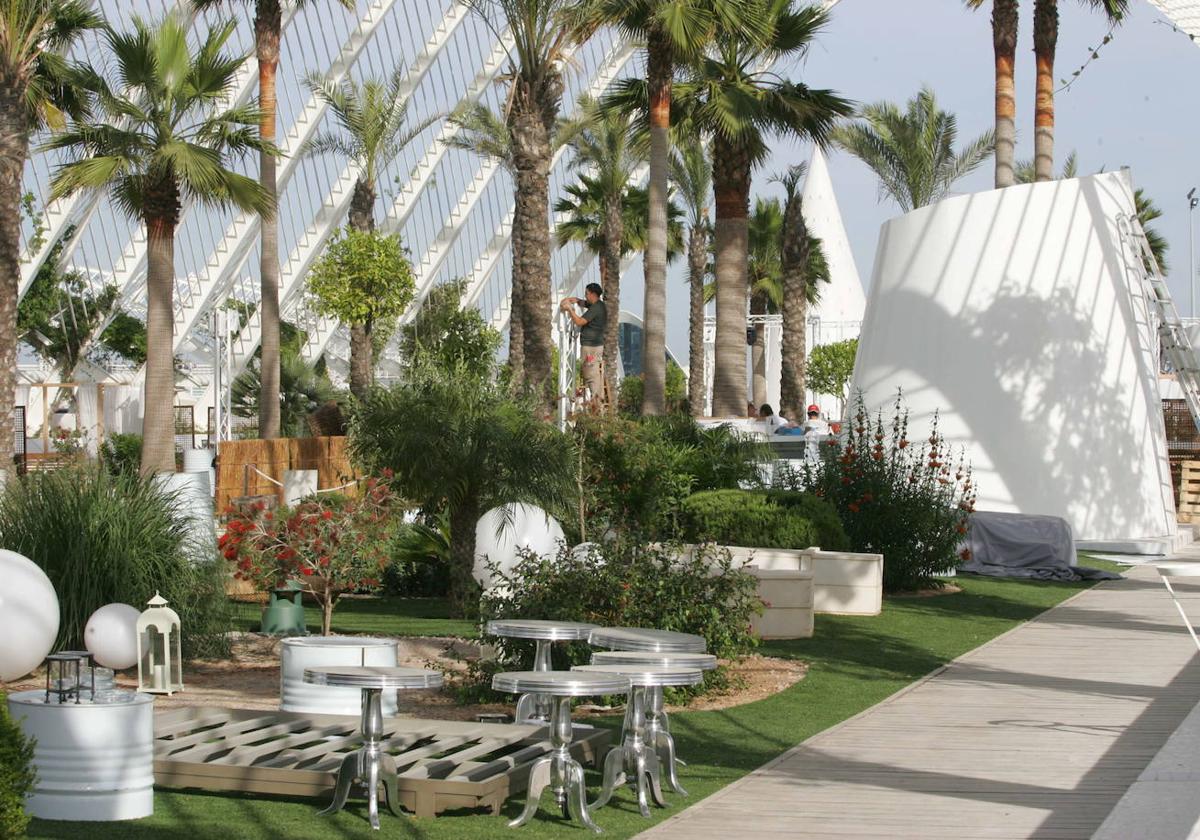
(240, 462)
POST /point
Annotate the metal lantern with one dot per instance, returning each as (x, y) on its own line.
(160, 664)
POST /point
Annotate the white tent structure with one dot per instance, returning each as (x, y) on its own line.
(1020, 318)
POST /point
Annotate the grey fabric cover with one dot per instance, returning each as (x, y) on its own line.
(1018, 545)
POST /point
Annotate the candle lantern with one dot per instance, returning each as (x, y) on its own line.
(160, 665)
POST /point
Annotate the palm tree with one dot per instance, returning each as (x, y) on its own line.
(1025, 173)
(268, 32)
(35, 36)
(170, 147)
(802, 270)
(691, 172)
(372, 118)
(1004, 44)
(1045, 43)
(603, 145)
(727, 97)
(540, 37)
(673, 31)
(764, 272)
(912, 151)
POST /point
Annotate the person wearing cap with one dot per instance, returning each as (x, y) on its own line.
(591, 335)
(814, 424)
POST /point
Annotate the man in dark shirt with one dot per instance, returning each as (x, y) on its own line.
(591, 335)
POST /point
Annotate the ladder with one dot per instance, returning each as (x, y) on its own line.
(1176, 345)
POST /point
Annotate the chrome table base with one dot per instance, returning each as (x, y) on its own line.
(558, 771)
(369, 764)
(631, 762)
(536, 707)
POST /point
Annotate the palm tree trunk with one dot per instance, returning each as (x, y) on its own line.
(614, 233)
(659, 61)
(531, 118)
(14, 150)
(362, 368)
(1004, 42)
(758, 352)
(463, 518)
(731, 190)
(267, 25)
(697, 263)
(158, 400)
(793, 360)
(516, 329)
(1045, 42)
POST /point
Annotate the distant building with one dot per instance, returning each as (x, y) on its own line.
(629, 344)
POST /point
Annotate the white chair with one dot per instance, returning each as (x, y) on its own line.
(1169, 570)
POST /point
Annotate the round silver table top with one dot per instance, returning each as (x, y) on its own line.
(373, 677)
(702, 661)
(643, 638)
(648, 675)
(561, 683)
(540, 629)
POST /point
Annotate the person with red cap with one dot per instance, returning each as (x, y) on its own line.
(814, 424)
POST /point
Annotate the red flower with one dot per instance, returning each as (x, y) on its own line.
(306, 571)
(853, 507)
(327, 514)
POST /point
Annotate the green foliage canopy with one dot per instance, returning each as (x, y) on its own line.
(363, 278)
(830, 367)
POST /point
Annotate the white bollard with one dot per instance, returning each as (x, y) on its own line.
(298, 484)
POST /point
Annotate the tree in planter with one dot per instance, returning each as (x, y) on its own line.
(364, 280)
(154, 143)
(330, 545)
(831, 367)
(459, 443)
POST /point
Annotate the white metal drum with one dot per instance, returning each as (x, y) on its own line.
(94, 761)
(331, 651)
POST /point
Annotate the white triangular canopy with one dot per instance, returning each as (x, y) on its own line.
(842, 299)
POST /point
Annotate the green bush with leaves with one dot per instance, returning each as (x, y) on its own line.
(831, 367)
(419, 565)
(745, 518)
(629, 398)
(17, 775)
(122, 453)
(827, 525)
(633, 586)
(104, 538)
(908, 503)
(445, 334)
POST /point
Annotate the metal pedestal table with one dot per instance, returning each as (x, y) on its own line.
(369, 764)
(534, 706)
(558, 770)
(631, 761)
(643, 640)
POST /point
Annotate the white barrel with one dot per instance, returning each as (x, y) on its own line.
(194, 501)
(94, 761)
(319, 651)
(197, 460)
(298, 484)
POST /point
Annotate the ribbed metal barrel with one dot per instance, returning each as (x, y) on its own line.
(94, 761)
(331, 651)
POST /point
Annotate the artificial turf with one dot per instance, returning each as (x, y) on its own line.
(854, 662)
(389, 616)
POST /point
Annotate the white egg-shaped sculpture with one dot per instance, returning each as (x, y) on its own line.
(504, 531)
(111, 636)
(29, 615)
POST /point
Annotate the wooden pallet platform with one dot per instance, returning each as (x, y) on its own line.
(442, 764)
(1189, 492)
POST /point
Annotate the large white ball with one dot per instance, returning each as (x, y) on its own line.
(111, 636)
(528, 528)
(28, 615)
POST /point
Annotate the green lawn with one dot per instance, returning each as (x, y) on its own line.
(389, 616)
(853, 664)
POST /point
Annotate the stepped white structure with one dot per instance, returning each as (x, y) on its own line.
(1021, 317)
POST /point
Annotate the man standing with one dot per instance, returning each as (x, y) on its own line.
(591, 336)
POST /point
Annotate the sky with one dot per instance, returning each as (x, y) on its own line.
(1135, 106)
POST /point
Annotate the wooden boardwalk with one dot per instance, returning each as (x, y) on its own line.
(1036, 734)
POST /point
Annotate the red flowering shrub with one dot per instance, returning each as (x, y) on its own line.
(330, 544)
(904, 500)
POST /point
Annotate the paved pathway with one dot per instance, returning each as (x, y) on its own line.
(1036, 734)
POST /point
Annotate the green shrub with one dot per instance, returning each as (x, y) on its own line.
(908, 503)
(16, 774)
(741, 517)
(635, 587)
(420, 560)
(122, 453)
(830, 535)
(103, 538)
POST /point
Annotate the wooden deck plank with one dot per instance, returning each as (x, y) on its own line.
(1036, 734)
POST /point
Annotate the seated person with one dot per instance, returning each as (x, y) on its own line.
(774, 422)
(814, 424)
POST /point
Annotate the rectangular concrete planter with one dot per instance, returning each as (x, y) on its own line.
(785, 585)
(845, 583)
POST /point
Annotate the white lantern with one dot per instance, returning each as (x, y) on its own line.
(160, 662)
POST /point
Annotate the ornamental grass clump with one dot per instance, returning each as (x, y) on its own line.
(906, 500)
(331, 545)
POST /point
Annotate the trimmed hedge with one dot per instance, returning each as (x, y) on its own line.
(747, 518)
(16, 774)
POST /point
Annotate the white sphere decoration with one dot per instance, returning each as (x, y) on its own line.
(528, 527)
(29, 615)
(111, 636)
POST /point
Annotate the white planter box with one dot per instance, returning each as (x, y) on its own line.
(845, 583)
(324, 651)
(94, 761)
(785, 584)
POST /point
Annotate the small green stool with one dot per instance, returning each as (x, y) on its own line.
(284, 613)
